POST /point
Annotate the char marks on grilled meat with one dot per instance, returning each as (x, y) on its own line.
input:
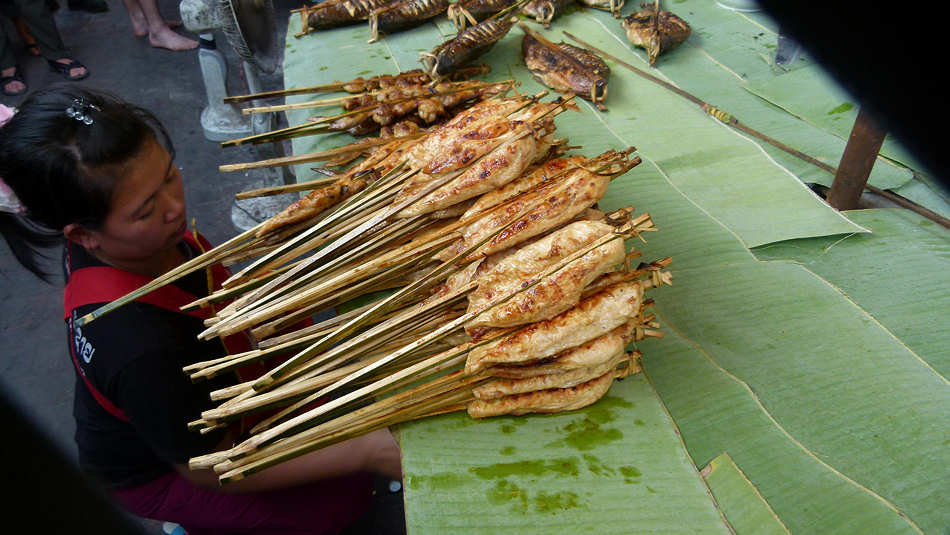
(504, 272)
(592, 317)
(544, 401)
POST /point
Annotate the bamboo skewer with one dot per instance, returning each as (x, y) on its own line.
(394, 374)
(310, 157)
(204, 260)
(258, 440)
(392, 210)
(636, 223)
(317, 125)
(352, 266)
(354, 233)
(287, 188)
(462, 86)
(347, 208)
(255, 459)
(462, 72)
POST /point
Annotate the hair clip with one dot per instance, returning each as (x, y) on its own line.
(80, 110)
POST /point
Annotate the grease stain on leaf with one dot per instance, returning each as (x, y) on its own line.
(439, 481)
(630, 471)
(586, 434)
(506, 493)
(553, 502)
(846, 107)
(597, 467)
(562, 467)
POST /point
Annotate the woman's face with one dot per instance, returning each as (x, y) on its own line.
(147, 216)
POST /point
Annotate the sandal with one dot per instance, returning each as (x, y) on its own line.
(15, 77)
(64, 68)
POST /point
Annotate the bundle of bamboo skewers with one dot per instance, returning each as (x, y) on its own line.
(505, 295)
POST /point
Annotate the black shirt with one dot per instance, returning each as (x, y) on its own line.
(136, 355)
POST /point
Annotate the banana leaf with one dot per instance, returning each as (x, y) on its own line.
(826, 394)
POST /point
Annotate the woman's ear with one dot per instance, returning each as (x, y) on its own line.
(80, 236)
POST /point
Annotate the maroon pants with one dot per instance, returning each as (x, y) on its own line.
(321, 508)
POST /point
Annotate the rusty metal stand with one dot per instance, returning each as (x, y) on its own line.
(856, 163)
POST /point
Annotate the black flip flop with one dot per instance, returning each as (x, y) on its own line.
(15, 77)
(64, 68)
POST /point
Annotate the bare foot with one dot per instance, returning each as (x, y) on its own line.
(75, 72)
(171, 40)
(139, 23)
(12, 86)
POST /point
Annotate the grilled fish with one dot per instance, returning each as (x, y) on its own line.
(655, 30)
(565, 68)
(593, 317)
(505, 272)
(544, 401)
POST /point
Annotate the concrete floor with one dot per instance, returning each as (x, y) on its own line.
(35, 372)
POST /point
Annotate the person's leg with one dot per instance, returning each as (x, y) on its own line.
(12, 82)
(26, 36)
(147, 20)
(41, 24)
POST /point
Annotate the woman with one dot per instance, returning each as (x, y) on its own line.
(87, 167)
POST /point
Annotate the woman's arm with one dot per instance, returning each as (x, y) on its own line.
(374, 452)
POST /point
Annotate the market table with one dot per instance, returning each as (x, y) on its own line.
(801, 384)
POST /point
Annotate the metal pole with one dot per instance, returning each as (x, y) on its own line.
(856, 163)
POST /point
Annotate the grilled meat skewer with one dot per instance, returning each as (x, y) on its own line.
(565, 68)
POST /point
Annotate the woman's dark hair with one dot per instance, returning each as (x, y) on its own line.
(63, 170)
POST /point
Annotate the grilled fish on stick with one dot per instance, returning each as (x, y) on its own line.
(501, 148)
(412, 77)
(499, 388)
(591, 353)
(469, 44)
(538, 210)
(544, 401)
(535, 175)
(384, 159)
(592, 317)
(515, 151)
(504, 272)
